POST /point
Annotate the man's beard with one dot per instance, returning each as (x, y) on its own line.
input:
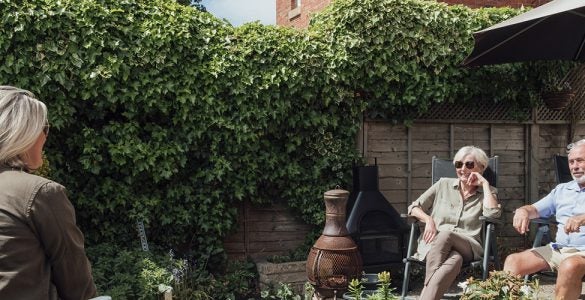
(580, 180)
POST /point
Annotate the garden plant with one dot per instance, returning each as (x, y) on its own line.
(499, 285)
(383, 291)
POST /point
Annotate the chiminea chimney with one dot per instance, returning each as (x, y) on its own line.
(374, 224)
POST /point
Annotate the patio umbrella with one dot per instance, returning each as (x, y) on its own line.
(553, 31)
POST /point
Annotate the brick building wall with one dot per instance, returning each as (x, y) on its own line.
(296, 13)
(288, 13)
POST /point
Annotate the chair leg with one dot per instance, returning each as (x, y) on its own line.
(486, 251)
(542, 231)
(406, 278)
(407, 262)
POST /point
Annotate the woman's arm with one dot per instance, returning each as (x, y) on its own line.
(430, 228)
(490, 199)
(53, 217)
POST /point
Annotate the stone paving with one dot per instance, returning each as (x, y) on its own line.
(547, 290)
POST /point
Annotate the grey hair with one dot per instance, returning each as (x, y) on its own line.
(22, 118)
(477, 153)
(571, 146)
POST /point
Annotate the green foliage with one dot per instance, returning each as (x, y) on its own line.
(236, 281)
(404, 55)
(45, 169)
(136, 274)
(554, 75)
(355, 289)
(283, 292)
(194, 3)
(163, 113)
(382, 292)
(309, 290)
(500, 285)
(153, 278)
(127, 274)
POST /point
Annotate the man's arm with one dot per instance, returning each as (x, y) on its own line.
(522, 218)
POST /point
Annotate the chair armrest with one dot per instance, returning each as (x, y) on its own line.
(544, 221)
(491, 220)
(543, 229)
(410, 219)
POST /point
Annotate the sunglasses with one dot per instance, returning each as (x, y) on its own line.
(468, 164)
(46, 129)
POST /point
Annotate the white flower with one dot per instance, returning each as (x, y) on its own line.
(526, 290)
(505, 289)
(163, 288)
(462, 285)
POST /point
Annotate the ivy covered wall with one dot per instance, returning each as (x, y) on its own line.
(403, 56)
(168, 115)
(165, 114)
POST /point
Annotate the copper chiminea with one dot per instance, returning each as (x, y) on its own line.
(334, 260)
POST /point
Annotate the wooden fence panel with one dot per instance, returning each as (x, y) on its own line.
(404, 158)
(264, 231)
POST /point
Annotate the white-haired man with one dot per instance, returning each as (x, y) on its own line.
(566, 256)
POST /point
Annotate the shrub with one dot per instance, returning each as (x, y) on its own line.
(283, 292)
(135, 274)
(500, 285)
(164, 114)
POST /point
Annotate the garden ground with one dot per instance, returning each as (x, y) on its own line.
(547, 290)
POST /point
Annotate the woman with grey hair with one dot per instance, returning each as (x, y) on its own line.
(450, 209)
(42, 253)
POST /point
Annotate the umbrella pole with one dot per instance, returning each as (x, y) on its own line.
(578, 54)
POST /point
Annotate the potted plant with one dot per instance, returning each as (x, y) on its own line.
(556, 96)
(499, 285)
(382, 292)
(556, 91)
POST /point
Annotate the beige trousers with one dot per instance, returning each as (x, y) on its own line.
(448, 252)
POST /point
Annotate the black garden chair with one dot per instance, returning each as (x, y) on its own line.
(543, 233)
(445, 168)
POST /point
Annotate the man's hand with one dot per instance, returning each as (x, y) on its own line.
(521, 220)
(574, 223)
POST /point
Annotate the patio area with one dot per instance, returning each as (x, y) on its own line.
(546, 291)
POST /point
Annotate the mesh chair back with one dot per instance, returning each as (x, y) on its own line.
(562, 171)
(445, 168)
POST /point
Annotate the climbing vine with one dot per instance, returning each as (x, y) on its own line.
(165, 114)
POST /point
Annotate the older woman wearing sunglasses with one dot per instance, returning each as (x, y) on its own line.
(450, 210)
(42, 252)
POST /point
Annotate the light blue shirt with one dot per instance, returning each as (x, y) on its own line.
(564, 201)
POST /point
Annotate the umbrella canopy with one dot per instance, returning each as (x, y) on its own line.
(553, 31)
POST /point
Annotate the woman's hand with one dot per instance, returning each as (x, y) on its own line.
(476, 179)
(430, 231)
